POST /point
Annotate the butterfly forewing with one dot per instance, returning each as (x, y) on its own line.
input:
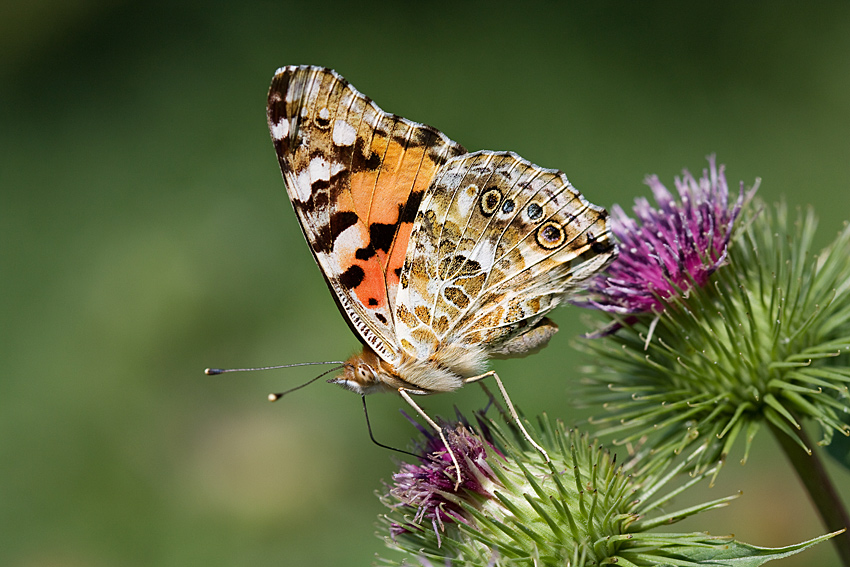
(355, 176)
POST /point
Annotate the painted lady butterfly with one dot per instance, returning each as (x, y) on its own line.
(439, 259)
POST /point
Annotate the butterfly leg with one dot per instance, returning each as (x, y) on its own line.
(404, 394)
(511, 408)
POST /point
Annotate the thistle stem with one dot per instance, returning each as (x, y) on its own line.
(821, 490)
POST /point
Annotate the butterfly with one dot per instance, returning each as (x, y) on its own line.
(438, 258)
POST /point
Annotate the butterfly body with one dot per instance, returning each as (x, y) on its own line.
(439, 259)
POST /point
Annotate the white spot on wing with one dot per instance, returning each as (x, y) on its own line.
(466, 198)
(320, 169)
(344, 133)
(346, 244)
(302, 186)
(484, 254)
(281, 129)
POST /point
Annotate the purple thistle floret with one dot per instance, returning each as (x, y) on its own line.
(429, 486)
(667, 250)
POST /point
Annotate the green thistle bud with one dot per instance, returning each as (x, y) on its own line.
(514, 508)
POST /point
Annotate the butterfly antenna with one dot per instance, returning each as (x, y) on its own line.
(214, 371)
(279, 395)
(372, 437)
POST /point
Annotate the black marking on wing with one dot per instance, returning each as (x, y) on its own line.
(381, 236)
(408, 213)
(352, 277)
(327, 235)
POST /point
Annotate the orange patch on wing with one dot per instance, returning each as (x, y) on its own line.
(378, 196)
(373, 286)
(377, 193)
(364, 183)
(393, 186)
(371, 290)
(418, 172)
(363, 189)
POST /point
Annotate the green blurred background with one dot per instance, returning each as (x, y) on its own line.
(146, 235)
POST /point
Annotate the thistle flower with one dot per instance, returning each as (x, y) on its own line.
(429, 486)
(766, 343)
(514, 508)
(667, 250)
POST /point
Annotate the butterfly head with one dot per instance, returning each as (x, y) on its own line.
(366, 373)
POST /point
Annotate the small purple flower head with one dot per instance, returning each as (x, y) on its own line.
(668, 250)
(429, 486)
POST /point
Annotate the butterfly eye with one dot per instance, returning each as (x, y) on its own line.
(550, 235)
(534, 211)
(365, 374)
(490, 201)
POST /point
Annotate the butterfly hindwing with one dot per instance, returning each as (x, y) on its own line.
(355, 176)
(497, 243)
